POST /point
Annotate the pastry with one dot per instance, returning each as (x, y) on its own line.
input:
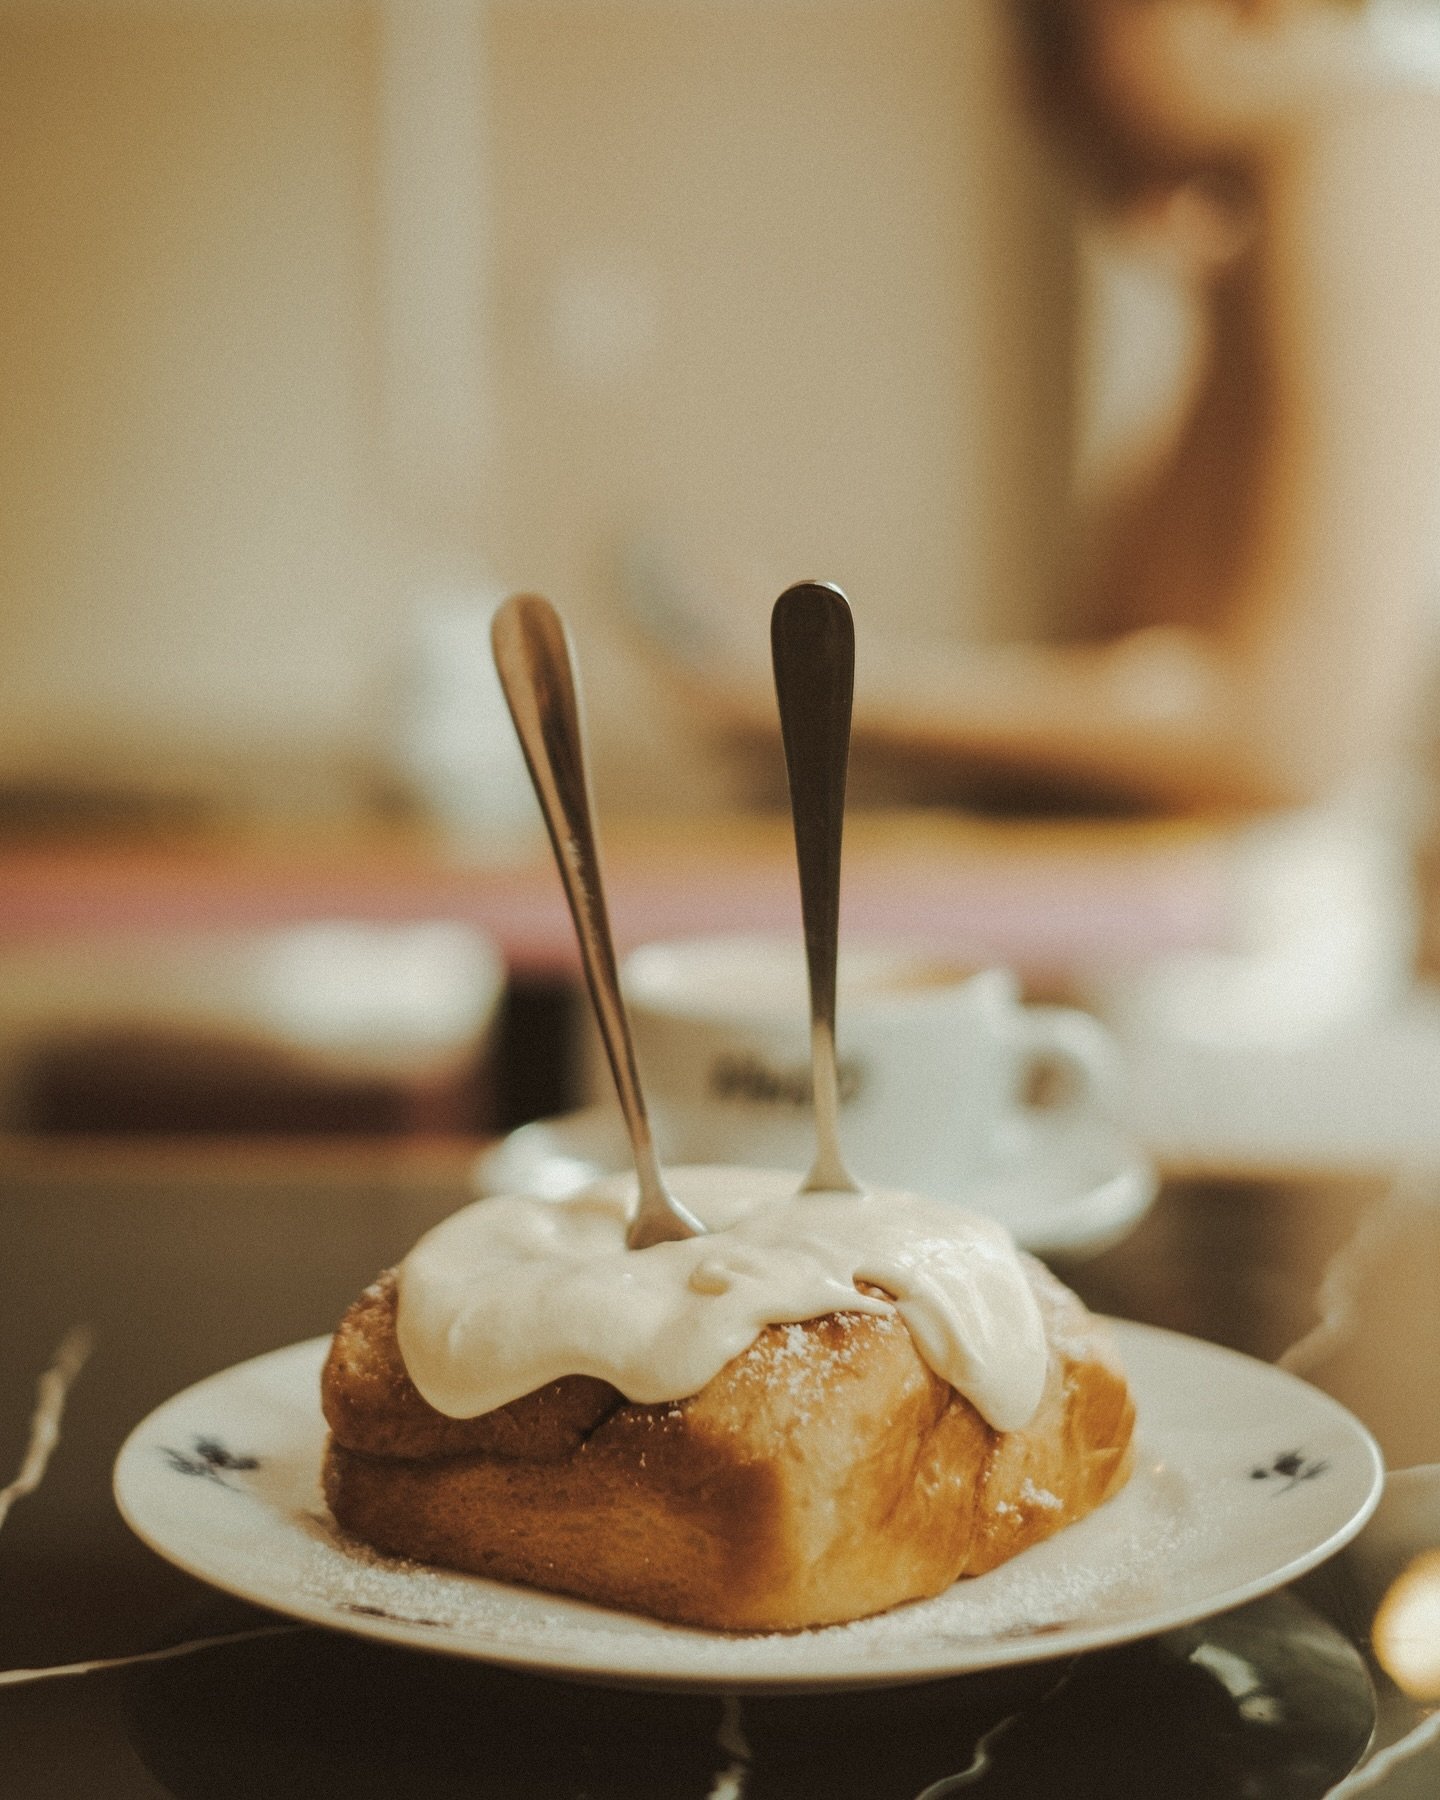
(922, 1402)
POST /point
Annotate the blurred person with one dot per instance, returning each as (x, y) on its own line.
(1263, 602)
(1261, 606)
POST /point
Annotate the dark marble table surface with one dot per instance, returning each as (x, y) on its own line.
(181, 1260)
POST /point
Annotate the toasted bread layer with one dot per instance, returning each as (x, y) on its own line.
(825, 1474)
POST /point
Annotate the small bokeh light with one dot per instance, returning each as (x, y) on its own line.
(1407, 1628)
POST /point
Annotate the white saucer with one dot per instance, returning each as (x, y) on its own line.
(1066, 1182)
(1245, 1478)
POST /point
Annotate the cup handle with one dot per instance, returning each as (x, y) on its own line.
(1080, 1046)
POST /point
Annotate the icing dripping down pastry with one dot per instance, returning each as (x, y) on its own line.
(511, 1293)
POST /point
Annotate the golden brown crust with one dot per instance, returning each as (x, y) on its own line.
(825, 1474)
(372, 1405)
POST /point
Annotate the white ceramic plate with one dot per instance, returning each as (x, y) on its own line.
(1066, 1183)
(1246, 1478)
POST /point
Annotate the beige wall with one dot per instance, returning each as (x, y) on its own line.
(776, 281)
(186, 544)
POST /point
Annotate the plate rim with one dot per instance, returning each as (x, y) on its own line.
(999, 1652)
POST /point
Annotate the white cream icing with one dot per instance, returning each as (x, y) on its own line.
(511, 1293)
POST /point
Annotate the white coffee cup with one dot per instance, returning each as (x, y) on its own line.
(937, 1060)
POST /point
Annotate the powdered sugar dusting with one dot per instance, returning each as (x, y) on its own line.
(1047, 1589)
(1041, 1497)
(792, 1362)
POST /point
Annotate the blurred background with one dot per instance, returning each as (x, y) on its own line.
(317, 312)
(326, 323)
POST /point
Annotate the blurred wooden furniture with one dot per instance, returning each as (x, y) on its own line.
(1043, 896)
